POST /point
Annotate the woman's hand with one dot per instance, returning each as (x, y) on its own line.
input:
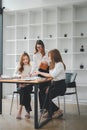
(23, 76)
(36, 73)
(30, 75)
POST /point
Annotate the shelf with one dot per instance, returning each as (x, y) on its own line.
(22, 33)
(34, 39)
(65, 22)
(32, 46)
(81, 37)
(22, 40)
(10, 27)
(80, 21)
(64, 30)
(11, 34)
(50, 23)
(22, 18)
(10, 40)
(80, 12)
(64, 38)
(80, 69)
(80, 29)
(9, 18)
(21, 26)
(49, 43)
(37, 24)
(46, 38)
(64, 13)
(35, 33)
(48, 31)
(80, 53)
(10, 68)
(49, 15)
(11, 54)
(21, 47)
(66, 53)
(35, 16)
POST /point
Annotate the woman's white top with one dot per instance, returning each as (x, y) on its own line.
(26, 71)
(58, 73)
(37, 59)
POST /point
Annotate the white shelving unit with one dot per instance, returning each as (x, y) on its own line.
(63, 27)
(64, 36)
(79, 52)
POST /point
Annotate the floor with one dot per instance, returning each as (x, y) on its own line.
(70, 121)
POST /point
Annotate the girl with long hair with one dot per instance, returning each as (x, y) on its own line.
(24, 70)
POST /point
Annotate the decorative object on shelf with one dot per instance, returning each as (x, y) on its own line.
(25, 38)
(81, 66)
(50, 36)
(82, 48)
(65, 50)
(38, 37)
(82, 34)
(65, 35)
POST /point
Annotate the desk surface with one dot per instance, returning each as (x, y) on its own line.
(39, 80)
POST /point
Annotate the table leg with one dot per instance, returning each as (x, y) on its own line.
(0, 98)
(36, 125)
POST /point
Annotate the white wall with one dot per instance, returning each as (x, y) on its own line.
(25, 4)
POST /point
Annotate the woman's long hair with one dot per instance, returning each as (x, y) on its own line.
(21, 68)
(40, 42)
(55, 58)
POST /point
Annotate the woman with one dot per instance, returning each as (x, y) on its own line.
(40, 62)
(40, 55)
(58, 87)
(24, 70)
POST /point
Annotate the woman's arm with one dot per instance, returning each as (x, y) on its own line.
(43, 74)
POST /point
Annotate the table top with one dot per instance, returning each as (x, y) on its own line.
(18, 80)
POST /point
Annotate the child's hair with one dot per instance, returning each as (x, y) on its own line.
(21, 68)
(40, 42)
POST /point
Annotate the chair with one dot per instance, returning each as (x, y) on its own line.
(16, 92)
(70, 88)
